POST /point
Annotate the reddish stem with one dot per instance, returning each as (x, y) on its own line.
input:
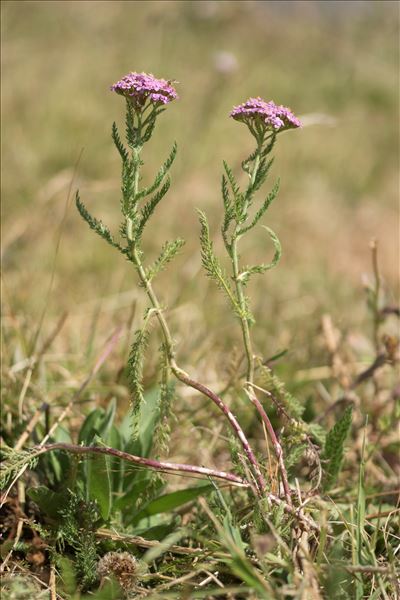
(276, 444)
(182, 376)
(175, 467)
(147, 462)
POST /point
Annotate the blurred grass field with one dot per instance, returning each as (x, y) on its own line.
(339, 185)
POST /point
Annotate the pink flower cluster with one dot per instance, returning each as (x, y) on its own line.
(258, 110)
(142, 86)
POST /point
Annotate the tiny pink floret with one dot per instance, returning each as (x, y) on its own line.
(141, 87)
(257, 109)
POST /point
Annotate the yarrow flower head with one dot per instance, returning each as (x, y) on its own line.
(143, 87)
(256, 112)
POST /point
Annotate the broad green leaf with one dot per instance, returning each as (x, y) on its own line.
(98, 482)
(108, 420)
(128, 500)
(91, 426)
(171, 501)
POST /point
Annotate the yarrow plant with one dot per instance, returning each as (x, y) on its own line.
(102, 492)
(146, 97)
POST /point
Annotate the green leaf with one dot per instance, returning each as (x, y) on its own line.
(246, 273)
(160, 549)
(134, 373)
(232, 180)
(118, 143)
(67, 576)
(168, 253)
(238, 197)
(160, 175)
(247, 162)
(91, 426)
(111, 590)
(150, 207)
(98, 482)
(108, 420)
(129, 203)
(334, 448)
(169, 502)
(211, 264)
(49, 502)
(128, 500)
(165, 412)
(260, 177)
(286, 402)
(262, 210)
(96, 225)
(229, 212)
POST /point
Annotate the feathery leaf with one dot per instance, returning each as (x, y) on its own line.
(135, 373)
(334, 447)
(168, 252)
(97, 225)
(211, 263)
(150, 207)
(160, 175)
(118, 143)
(261, 211)
(246, 273)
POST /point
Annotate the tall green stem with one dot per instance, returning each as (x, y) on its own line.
(177, 371)
(239, 285)
(243, 319)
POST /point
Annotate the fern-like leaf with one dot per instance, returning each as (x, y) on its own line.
(246, 273)
(285, 402)
(262, 210)
(167, 396)
(260, 177)
(211, 264)
(168, 253)
(97, 226)
(334, 448)
(128, 204)
(12, 462)
(150, 207)
(160, 175)
(135, 374)
(237, 195)
(118, 143)
(246, 164)
(229, 212)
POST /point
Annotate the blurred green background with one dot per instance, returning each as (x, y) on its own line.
(334, 63)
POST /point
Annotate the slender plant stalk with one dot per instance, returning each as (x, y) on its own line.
(243, 320)
(187, 380)
(139, 460)
(376, 293)
(238, 283)
(275, 443)
(247, 337)
(230, 478)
